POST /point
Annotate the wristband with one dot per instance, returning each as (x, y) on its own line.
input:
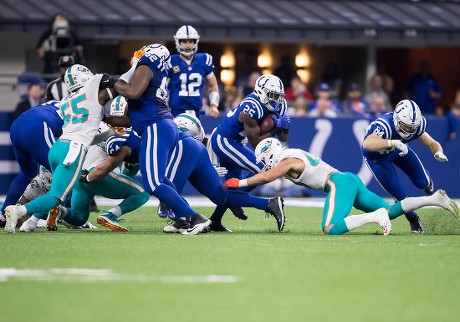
(214, 98)
(243, 183)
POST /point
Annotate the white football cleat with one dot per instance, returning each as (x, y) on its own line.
(41, 223)
(11, 215)
(28, 226)
(445, 202)
(383, 220)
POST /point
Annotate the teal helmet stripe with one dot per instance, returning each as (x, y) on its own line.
(117, 103)
(191, 119)
(69, 76)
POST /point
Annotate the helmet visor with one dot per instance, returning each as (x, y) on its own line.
(406, 128)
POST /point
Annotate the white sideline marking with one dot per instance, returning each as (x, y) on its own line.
(88, 275)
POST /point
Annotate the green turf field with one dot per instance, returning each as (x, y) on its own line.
(253, 274)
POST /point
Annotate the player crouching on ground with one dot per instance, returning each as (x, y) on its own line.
(344, 189)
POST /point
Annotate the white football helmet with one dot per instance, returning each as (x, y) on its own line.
(160, 51)
(268, 152)
(118, 105)
(186, 32)
(407, 118)
(76, 76)
(269, 89)
(190, 124)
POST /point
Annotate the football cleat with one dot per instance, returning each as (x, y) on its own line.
(11, 215)
(383, 220)
(416, 225)
(179, 226)
(53, 216)
(430, 188)
(164, 210)
(276, 209)
(2, 220)
(109, 220)
(218, 227)
(28, 226)
(445, 202)
(239, 213)
(88, 225)
(198, 224)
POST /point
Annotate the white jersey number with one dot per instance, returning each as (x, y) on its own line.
(190, 84)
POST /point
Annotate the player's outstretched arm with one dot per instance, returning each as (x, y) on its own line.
(109, 164)
(375, 143)
(434, 146)
(263, 177)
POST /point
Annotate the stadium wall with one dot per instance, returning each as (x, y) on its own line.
(337, 141)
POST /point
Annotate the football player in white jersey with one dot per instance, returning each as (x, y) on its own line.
(188, 75)
(82, 111)
(344, 189)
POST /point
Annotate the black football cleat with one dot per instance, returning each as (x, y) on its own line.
(239, 213)
(430, 188)
(276, 209)
(416, 225)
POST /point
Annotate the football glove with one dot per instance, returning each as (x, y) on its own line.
(284, 122)
(440, 157)
(107, 81)
(400, 146)
(136, 56)
(84, 176)
(232, 183)
(221, 171)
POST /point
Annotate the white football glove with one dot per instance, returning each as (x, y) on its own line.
(221, 171)
(440, 157)
(400, 146)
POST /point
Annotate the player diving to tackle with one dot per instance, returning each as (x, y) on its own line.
(344, 189)
(190, 162)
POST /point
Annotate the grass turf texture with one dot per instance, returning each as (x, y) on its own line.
(297, 275)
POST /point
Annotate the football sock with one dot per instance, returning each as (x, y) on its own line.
(116, 211)
(174, 200)
(131, 203)
(16, 189)
(396, 210)
(243, 199)
(413, 203)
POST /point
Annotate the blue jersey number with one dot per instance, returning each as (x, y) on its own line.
(190, 84)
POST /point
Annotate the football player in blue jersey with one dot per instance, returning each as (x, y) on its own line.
(190, 162)
(384, 147)
(243, 122)
(32, 135)
(190, 70)
(144, 85)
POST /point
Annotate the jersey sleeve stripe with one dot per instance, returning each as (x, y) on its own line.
(385, 126)
(258, 108)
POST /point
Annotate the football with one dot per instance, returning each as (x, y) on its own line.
(267, 124)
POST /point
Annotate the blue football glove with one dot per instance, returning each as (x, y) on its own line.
(284, 122)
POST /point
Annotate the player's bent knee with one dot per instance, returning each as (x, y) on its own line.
(327, 229)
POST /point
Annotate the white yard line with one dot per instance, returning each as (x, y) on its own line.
(88, 275)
